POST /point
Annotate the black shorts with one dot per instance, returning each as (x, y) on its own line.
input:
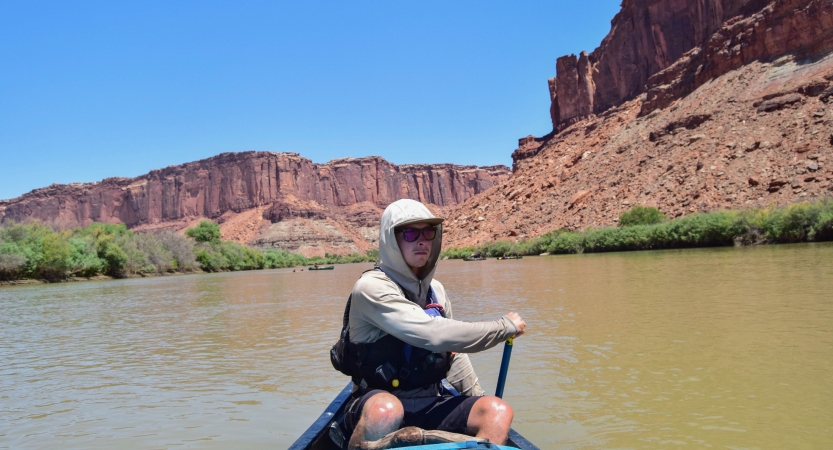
(446, 413)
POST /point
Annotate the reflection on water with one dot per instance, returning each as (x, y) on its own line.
(726, 348)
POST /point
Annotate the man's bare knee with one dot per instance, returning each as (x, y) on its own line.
(381, 414)
(383, 409)
(491, 417)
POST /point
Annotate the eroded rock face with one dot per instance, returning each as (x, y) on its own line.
(242, 181)
(657, 52)
(574, 87)
(755, 137)
(268, 200)
(803, 28)
(646, 37)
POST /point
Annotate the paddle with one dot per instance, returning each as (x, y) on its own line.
(504, 367)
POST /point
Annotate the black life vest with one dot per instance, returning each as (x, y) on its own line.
(390, 363)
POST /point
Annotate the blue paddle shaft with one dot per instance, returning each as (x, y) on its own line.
(504, 368)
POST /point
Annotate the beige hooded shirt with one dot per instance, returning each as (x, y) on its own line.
(392, 301)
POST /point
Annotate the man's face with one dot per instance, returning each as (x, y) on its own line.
(415, 253)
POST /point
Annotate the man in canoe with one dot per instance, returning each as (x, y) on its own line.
(403, 341)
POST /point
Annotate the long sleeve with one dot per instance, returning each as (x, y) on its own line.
(379, 307)
(461, 375)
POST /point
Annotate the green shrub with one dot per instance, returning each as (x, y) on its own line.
(136, 258)
(56, 254)
(569, 242)
(276, 259)
(84, 260)
(228, 255)
(822, 229)
(458, 253)
(800, 222)
(210, 260)
(113, 256)
(536, 246)
(641, 215)
(27, 241)
(701, 230)
(494, 249)
(12, 261)
(254, 259)
(205, 231)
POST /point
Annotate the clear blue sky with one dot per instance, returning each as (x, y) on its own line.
(90, 90)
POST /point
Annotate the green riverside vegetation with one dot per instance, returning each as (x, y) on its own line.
(38, 251)
(645, 228)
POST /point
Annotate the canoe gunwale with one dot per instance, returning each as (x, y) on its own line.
(320, 425)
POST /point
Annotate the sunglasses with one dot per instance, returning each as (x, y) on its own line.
(412, 234)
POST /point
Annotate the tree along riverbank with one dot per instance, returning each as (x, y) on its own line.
(34, 252)
(645, 228)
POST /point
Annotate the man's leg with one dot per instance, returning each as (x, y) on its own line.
(381, 414)
(490, 417)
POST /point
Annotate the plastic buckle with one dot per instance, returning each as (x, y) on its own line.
(380, 372)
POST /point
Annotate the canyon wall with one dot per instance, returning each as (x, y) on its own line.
(687, 106)
(279, 186)
(801, 28)
(759, 136)
(663, 50)
(646, 37)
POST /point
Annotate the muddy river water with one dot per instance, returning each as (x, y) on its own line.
(710, 348)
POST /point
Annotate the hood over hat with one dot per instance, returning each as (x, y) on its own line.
(404, 212)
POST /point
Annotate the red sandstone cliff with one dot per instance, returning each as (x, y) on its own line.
(664, 50)
(798, 27)
(686, 106)
(646, 36)
(262, 187)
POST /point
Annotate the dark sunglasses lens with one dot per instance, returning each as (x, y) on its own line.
(410, 234)
(429, 233)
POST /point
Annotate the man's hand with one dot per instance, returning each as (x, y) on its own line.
(518, 322)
